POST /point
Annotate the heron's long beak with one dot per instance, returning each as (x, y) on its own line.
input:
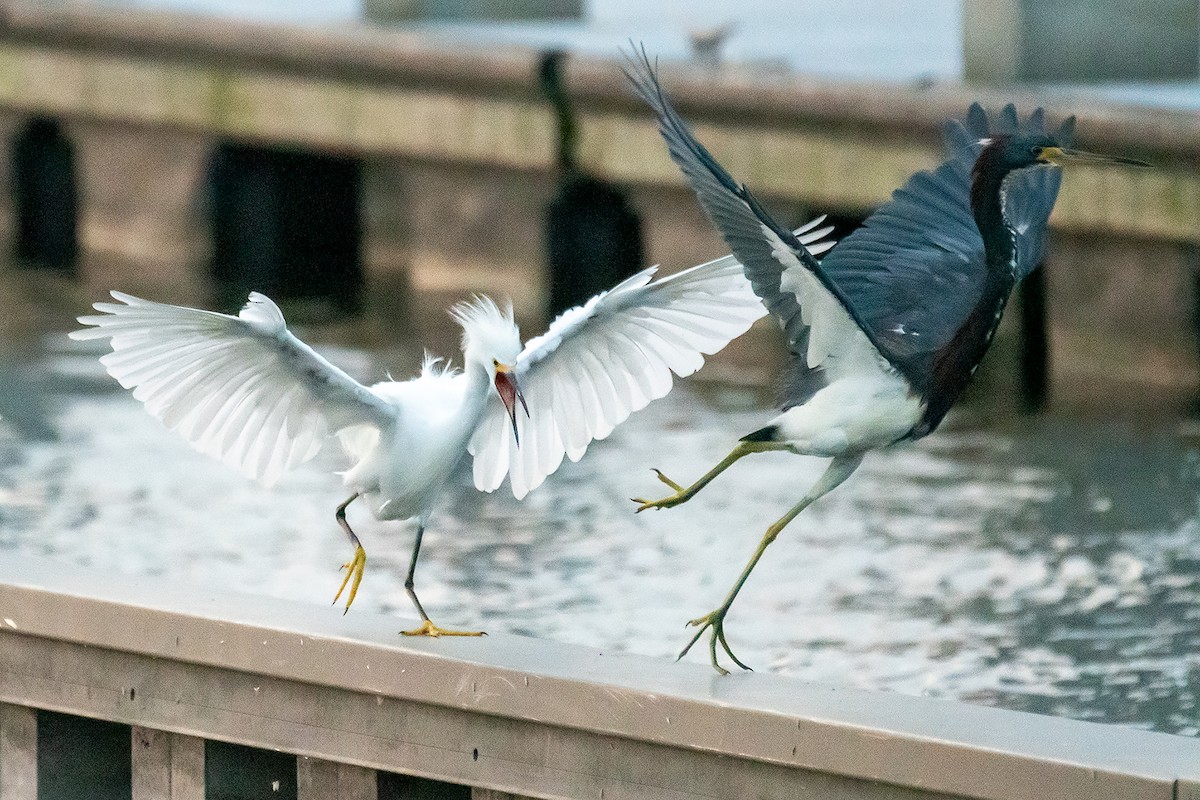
(1061, 156)
(510, 393)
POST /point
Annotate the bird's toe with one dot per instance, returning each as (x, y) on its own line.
(429, 629)
(667, 480)
(714, 624)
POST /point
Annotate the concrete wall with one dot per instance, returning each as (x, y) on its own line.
(1120, 308)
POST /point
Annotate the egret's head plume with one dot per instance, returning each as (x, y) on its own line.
(489, 333)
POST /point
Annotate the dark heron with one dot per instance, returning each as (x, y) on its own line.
(886, 331)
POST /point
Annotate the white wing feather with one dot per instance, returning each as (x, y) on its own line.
(835, 342)
(242, 389)
(600, 362)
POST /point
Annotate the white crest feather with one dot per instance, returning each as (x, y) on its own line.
(485, 325)
(434, 366)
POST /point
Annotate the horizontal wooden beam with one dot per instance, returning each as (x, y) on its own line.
(523, 716)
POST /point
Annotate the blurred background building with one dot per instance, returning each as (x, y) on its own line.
(335, 152)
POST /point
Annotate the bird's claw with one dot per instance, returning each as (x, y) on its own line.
(429, 629)
(667, 480)
(716, 621)
(354, 570)
(681, 495)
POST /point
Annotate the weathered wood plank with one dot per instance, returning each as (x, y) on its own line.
(514, 714)
(492, 794)
(18, 752)
(167, 766)
(317, 779)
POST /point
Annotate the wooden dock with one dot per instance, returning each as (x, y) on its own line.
(351, 706)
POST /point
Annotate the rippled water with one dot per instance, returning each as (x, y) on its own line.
(1048, 564)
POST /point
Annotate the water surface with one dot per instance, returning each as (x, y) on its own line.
(1047, 564)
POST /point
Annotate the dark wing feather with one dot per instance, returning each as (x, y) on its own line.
(1031, 196)
(913, 273)
(751, 233)
(915, 270)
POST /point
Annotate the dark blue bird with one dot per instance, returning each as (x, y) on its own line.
(886, 331)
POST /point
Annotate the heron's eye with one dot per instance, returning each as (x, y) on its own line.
(1035, 151)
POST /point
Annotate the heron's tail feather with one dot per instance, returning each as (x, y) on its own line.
(768, 434)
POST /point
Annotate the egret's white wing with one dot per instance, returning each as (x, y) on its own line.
(242, 389)
(600, 362)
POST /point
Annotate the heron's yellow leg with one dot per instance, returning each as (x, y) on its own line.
(355, 566)
(682, 494)
(838, 470)
(429, 629)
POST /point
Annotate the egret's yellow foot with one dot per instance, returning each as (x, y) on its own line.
(681, 495)
(429, 629)
(354, 569)
(714, 623)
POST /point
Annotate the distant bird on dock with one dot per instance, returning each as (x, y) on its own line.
(708, 43)
(593, 235)
(888, 329)
(245, 390)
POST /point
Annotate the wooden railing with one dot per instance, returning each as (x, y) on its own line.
(366, 713)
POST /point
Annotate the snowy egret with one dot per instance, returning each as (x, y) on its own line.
(245, 390)
(887, 330)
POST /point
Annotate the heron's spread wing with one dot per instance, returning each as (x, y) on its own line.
(242, 389)
(907, 280)
(819, 323)
(599, 362)
(916, 268)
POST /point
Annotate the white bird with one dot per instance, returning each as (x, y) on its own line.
(246, 391)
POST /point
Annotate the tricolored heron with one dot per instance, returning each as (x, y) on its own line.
(245, 390)
(888, 329)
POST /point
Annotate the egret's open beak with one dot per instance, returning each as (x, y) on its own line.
(510, 393)
(1060, 156)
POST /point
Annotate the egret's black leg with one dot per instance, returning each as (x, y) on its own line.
(838, 470)
(355, 566)
(682, 495)
(427, 627)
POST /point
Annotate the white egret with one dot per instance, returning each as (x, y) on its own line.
(888, 329)
(245, 390)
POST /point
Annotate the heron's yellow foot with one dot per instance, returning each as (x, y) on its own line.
(429, 629)
(713, 622)
(354, 569)
(681, 495)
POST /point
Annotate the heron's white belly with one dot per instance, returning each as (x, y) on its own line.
(853, 414)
